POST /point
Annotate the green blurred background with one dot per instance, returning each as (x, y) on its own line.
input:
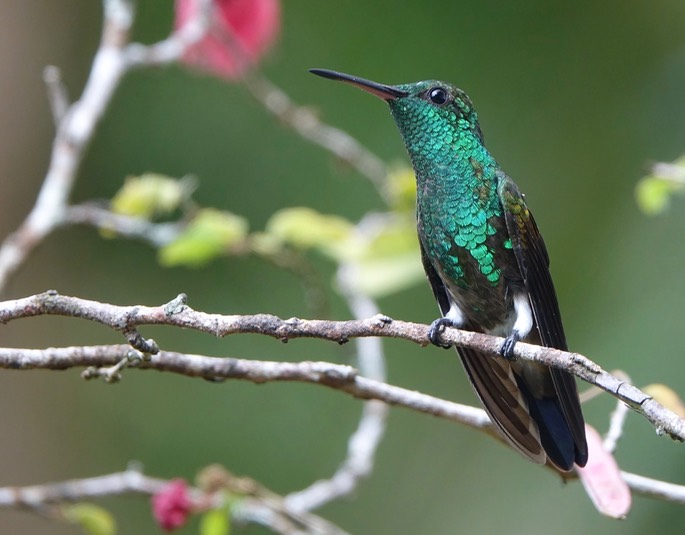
(575, 99)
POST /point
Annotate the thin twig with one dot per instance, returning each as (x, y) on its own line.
(76, 123)
(363, 443)
(74, 132)
(654, 488)
(335, 376)
(129, 481)
(57, 93)
(256, 504)
(304, 122)
(616, 423)
(156, 234)
(618, 416)
(669, 171)
(173, 47)
(617, 419)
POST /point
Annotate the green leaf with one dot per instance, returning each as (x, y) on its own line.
(93, 519)
(381, 276)
(402, 189)
(215, 522)
(381, 236)
(398, 235)
(384, 256)
(390, 261)
(383, 252)
(150, 195)
(210, 234)
(305, 228)
(653, 194)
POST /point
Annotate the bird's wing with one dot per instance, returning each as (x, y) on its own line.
(533, 261)
(494, 383)
(439, 290)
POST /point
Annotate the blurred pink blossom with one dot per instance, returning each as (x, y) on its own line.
(602, 479)
(240, 33)
(171, 505)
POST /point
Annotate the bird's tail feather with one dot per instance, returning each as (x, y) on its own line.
(495, 384)
(535, 427)
(555, 435)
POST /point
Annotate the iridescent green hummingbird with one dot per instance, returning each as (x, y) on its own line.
(487, 266)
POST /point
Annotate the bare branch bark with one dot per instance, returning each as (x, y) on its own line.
(335, 376)
(654, 488)
(256, 503)
(364, 441)
(57, 93)
(74, 132)
(156, 234)
(76, 123)
(306, 123)
(176, 313)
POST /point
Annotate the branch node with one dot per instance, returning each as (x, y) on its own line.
(339, 375)
(137, 341)
(630, 397)
(586, 363)
(381, 320)
(136, 357)
(292, 322)
(57, 93)
(91, 372)
(286, 327)
(176, 305)
(111, 375)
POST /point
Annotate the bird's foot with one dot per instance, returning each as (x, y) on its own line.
(507, 349)
(436, 330)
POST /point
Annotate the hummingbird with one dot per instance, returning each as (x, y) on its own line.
(488, 267)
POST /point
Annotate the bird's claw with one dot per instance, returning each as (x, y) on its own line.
(507, 349)
(436, 330)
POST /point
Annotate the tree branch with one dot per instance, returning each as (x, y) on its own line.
(74, 132)
(654, 488)
(306, 123)
(126, 320)
(76, 123)
(364, 441)
(256, 503)
(57, 93)
(156, 234)
(335, 376)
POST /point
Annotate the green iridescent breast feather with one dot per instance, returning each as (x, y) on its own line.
(457, 198)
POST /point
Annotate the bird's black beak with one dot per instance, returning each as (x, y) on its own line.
(386, 92)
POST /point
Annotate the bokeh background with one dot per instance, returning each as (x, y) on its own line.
(575, 99)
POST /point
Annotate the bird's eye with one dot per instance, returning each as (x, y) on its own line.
(438, 96)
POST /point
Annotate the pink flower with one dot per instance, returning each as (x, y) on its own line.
(602, 479)
(240, 33)
(171, 505)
